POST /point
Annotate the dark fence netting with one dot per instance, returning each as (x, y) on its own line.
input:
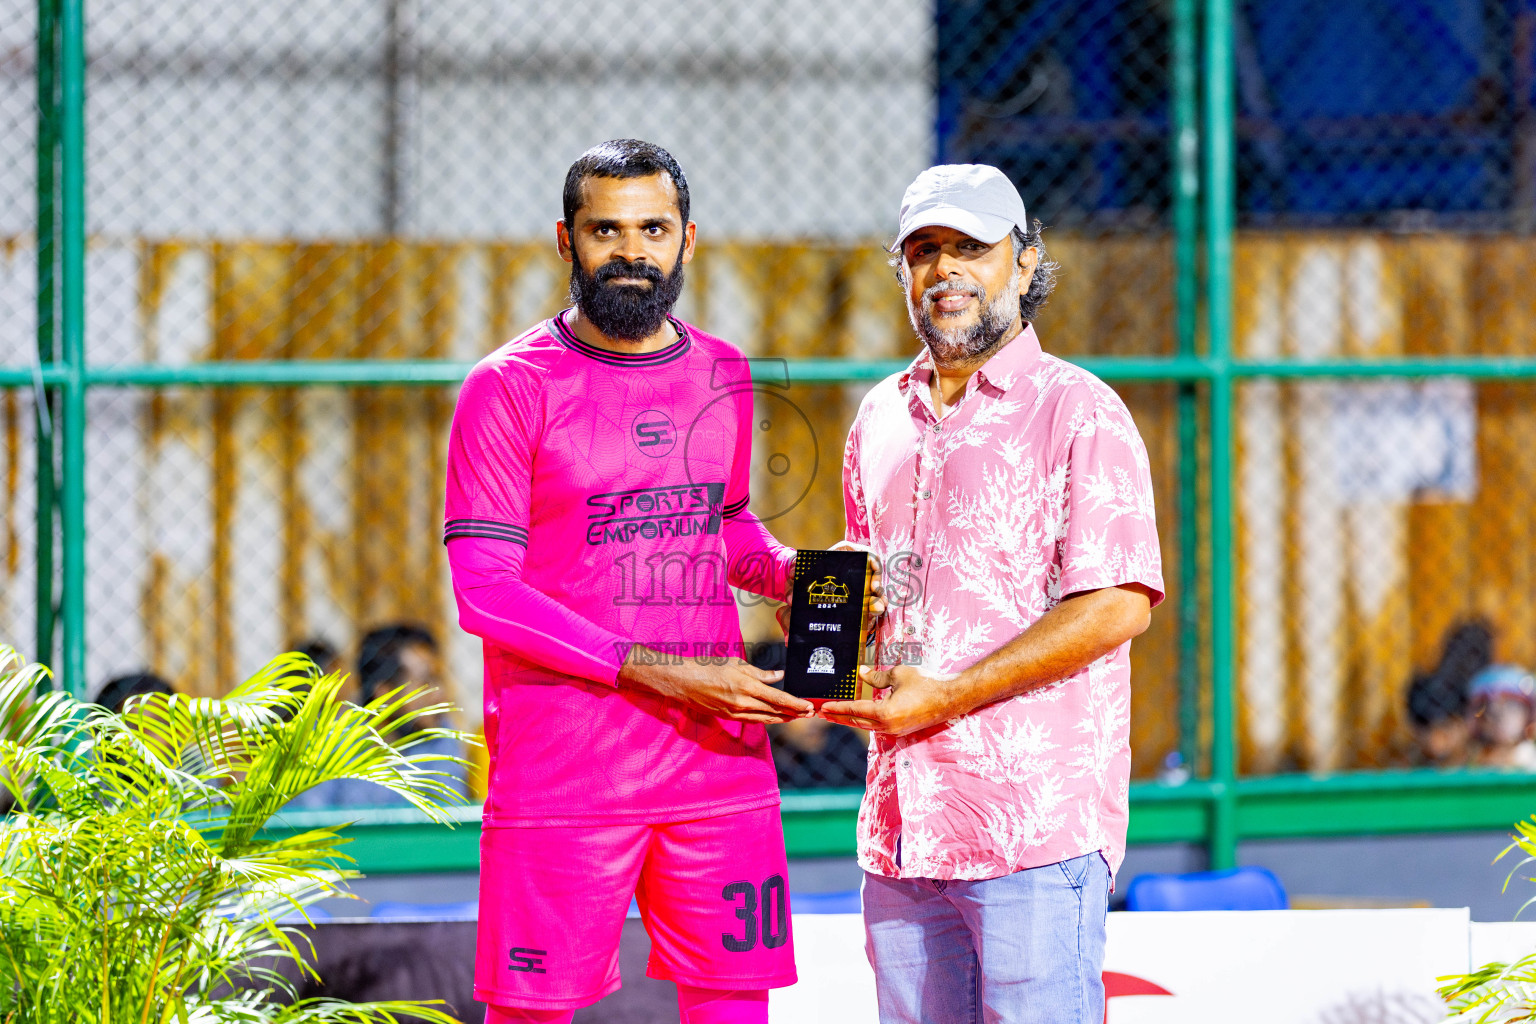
(379, 179)
(1386, 181)
(317, 180)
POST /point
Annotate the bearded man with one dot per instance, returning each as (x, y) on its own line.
(596, 511)
(1010, 497)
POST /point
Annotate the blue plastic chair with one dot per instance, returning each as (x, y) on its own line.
(394, 910)
(1246, 888)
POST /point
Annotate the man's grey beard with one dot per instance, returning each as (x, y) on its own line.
(952, 345)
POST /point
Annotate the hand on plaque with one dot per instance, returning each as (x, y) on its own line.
(726, 688)
(875, 606)
(908, 699)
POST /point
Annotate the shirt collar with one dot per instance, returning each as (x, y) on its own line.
(1000, 373)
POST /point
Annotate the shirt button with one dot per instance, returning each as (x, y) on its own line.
(909, 630)
(926, 494)
(905, 763)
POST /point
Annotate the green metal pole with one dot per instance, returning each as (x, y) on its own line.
(1186, 285)
(1220, 214)
(47, 345)
(72, 317)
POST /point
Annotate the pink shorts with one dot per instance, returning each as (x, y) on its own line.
(714, 895)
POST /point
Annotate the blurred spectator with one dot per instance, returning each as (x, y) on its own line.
(1501, 699)
(115, 692)
(812, 753)
(1468, 650)
(396, 656)
(1438, 699)
(1437, 710)
(401, 655)
(326, 658)
(322, 652)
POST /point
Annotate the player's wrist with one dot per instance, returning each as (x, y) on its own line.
(646, 668)
(638, 670)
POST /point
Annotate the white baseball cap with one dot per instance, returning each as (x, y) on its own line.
(977, 199)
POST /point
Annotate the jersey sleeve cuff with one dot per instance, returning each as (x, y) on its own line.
(621, 649)
(489, 529)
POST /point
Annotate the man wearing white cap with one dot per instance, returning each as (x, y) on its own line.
(1010, 497)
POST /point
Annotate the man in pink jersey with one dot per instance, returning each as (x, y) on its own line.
(596, 518)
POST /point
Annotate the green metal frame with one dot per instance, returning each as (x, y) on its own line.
(821, 824)
(1185, 159)
(72, 329)
(1217, 809)
(1125, 370)
(47, 345)
(1220, 215)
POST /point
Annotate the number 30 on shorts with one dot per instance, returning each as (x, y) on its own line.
(774, 907)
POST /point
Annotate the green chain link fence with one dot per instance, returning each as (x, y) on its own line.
(250, 249)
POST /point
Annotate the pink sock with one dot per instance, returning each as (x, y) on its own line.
(721, 1006)
(521, 1015)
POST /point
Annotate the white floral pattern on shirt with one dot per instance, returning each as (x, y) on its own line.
(1034, 486)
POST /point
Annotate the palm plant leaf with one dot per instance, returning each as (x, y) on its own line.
(137, 884)
(1499, 991)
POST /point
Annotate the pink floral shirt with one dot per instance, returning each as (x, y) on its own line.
(1034, 486)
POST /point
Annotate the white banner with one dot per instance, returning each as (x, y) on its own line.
(1400, 441)
(1258, 967)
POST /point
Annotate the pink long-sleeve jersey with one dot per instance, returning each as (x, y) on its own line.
(595, 501)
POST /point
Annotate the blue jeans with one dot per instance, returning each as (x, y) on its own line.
(1026, 948)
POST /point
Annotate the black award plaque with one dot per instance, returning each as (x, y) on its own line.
(826, 625)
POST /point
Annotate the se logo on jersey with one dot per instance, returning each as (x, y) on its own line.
(527, 961)
(654, 433)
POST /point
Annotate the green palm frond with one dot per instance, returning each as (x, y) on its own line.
(321, 1011)
(1499, 991)
(1495, 992)
(136, 879)
(40, 736)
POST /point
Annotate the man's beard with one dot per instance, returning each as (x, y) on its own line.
(629, 312)
(951, 345)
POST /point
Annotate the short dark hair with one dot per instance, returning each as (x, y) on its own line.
(1468, 650)
(318, 650)
(378, 656)
(114, 693)
(1434, 698)
(622, 158)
